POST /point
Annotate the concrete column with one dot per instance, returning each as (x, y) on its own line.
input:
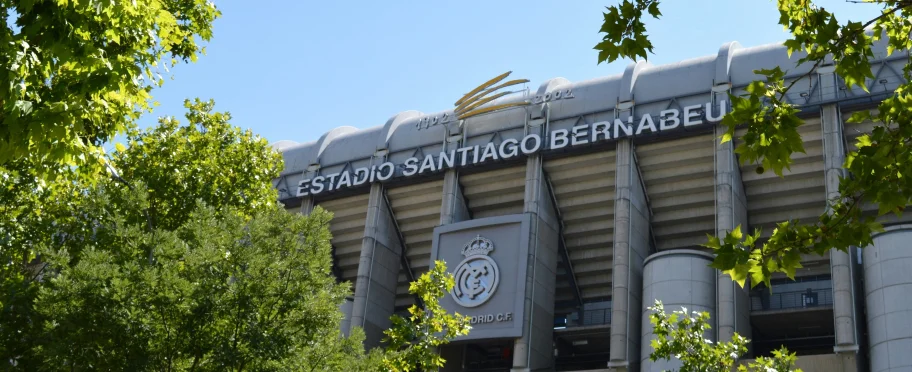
(679, 278)
(888, 283)
(840, 262)
(378, 271)
(453, 208)
(732, 301)
(631, 246)
(534, 350)
(307, 205)
(346, 309)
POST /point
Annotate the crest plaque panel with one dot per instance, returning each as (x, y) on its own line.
(488, 258)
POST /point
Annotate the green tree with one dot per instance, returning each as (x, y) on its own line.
(183, 260)
(220, 292)
(29, 209)
(171, 166)
(337, 353)
(681, 336)
(413, 342)
(79, 72)
(879, 167)
(206, 159)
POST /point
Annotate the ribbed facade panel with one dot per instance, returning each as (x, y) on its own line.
(417, 211)
(800, 194)
(679, 182)
(495, 193)
(347, 228)
(584, 189)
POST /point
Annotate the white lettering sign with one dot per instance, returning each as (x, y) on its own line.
(532, 143)
(490, 318)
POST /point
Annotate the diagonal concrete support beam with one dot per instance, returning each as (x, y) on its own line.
(562, 246)
(403, 249)
(378, 270)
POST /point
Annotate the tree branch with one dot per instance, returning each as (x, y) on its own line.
(842, 39)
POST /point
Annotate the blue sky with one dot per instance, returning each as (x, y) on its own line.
(296, 69)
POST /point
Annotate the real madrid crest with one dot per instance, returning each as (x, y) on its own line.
(477, 275)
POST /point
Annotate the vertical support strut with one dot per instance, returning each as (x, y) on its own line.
(562, 245)
(402, 257)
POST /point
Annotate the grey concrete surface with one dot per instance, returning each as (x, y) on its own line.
(375, 289)
(732, 301)
(533, 351)
(840, 262)
(680, 279)
(631, 246)
(888, 285)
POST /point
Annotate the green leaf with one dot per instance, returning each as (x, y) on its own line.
(72, 72)
(739, 273)
(624, 30)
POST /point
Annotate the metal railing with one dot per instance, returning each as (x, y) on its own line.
(591, 317)
(764, 300)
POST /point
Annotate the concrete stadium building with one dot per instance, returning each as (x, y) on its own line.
(564, 219)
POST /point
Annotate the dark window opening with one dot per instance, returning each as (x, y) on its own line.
(592, 314)
(797, 314)
(803, 292)
(581, 349)
(811, 345)
(489, 356)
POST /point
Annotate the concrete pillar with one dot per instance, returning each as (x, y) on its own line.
(888, 283)
(307, 205)
(378, 271)
(732, 301)
(840, 262)
(679, 278)
(631, 246)
(453, 208)
(346, 309)
(534, 350)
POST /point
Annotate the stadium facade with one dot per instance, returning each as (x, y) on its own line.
(564, 219)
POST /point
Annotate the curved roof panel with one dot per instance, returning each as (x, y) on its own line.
(588, 96)
(640, 82)
(674, 80)
(351, 145)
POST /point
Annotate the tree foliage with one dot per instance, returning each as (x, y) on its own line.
(183, 260)
(97, 273)
(79, 72)
(682, 337)
(221, 292)
(206, 159)
(412, 342)
(625, 32)
(880, 167)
